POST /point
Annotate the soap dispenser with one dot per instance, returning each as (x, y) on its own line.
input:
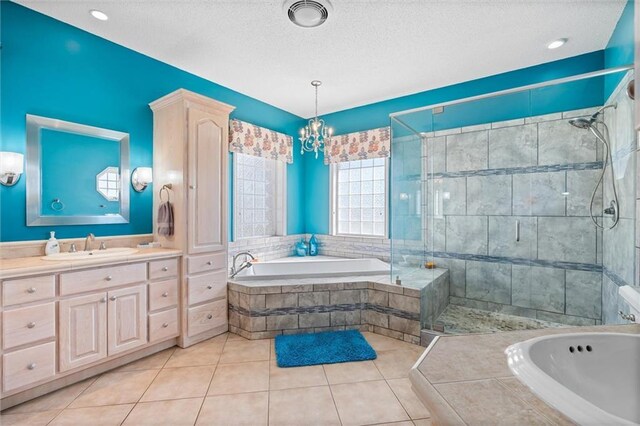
(52, 245)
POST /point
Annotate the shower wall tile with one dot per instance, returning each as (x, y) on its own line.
(561, 143)
(539, 194)
(541, 118)
(467, 151)
(584, 294)
(435, 154)
(569, 239)
(619, 249)
(489, 195)
(435, 234)
(538, 288)
(457, 274)
(467, 234)
(452, 195)
(564, 319)
(610, 302)
(625, 181)
(513, 146)
(580, 185)
(583, 112)
(508, 123)
(489, 282)
(502, 236)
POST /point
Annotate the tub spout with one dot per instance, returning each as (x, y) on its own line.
(244, 265)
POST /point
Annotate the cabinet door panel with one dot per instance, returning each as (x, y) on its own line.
(127, 326)
(83, 330)
(206, 176)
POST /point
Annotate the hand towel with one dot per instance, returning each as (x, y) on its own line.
(165, 219)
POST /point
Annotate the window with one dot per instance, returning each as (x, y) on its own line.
(259, 197)
(359, 197)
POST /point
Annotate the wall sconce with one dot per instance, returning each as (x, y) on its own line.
(11, 167)
(141, 178)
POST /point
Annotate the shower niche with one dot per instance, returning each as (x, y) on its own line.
(524, 199)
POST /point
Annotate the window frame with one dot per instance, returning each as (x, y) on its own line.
(333, 201)
(280, 199)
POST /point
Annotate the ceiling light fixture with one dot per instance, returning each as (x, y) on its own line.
(308, 13)
(556, 43)
(316, 134)
(100, 16)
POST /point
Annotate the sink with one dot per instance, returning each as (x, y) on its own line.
(592, 378)
(91, 255)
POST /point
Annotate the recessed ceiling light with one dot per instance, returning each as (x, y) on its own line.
(556, 43)
(101, 16)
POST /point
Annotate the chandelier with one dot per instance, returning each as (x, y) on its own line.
(316, 134)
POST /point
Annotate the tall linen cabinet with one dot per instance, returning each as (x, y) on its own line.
(190, 152)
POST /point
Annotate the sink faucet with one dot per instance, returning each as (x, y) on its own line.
(244, 265)
(87, 242)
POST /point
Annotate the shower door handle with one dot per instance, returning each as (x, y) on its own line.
(517, 230)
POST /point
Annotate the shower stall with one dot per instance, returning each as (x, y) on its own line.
(516, 210)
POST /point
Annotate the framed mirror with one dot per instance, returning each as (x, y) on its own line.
(76, 174)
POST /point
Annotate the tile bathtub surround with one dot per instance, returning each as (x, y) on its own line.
(265, 248)
(238, 382)
(354, 247)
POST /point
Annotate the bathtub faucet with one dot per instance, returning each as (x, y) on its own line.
(244, 265)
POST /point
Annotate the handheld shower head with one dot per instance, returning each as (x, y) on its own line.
(582, 123)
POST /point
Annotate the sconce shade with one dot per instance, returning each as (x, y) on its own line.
(145, 174)
(11, 163)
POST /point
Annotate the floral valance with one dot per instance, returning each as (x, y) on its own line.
(247, 138)
(374, 143)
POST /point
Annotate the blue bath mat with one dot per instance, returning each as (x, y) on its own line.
(296, 350)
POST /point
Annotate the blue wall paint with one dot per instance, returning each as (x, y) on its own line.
(55, 70)
(620, 49)
(583, 94)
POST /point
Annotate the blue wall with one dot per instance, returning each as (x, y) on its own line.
(55, 70)
(620, 49)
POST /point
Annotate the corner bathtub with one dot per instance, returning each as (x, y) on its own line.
(313, 266)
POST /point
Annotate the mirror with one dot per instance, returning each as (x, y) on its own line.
(76, 174)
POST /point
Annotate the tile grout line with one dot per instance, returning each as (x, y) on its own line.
(204, 399)
(332, 397)
(73, 400)
(138, 401)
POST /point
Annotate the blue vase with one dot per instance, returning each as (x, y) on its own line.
(301, 248)
(313, 246)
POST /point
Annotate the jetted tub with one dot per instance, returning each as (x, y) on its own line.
(313, 266)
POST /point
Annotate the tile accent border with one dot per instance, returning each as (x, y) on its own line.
(593, 165)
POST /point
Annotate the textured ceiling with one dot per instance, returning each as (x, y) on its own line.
(367, 51)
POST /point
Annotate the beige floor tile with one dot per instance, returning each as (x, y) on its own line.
(516, 387)
(119, 387)
(152, 362)
(232, 336)
(28, 419)
(245, 351)
(184, 382)
(367, 403)
(273, 350)
(408, 423)
(240, 378)
(94, 416)
(396, 364)
(56, 400)
(295, 377)
(176, 412)
(250, 409)
(408, 398)
(384, 343)
(422, 422)
(351, 372)
(204, 353)
(304, 406)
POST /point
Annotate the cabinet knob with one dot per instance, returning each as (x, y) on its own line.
(109, 278)
(104, 299)
(209, 263)
(209, 316)
(192, 187)
(165, 325)
(209, 287)
(31, 290)
(165, 294)
(112, 298)
(31, 325)
(165, 268)
(31, 366)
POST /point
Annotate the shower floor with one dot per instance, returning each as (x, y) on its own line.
(461, 320)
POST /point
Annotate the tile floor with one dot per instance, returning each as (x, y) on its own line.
(228, 380)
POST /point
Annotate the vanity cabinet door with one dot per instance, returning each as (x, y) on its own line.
(127, 324)
(207, 148)
(83, 330)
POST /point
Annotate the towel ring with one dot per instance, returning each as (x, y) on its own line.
(166, 187)
(57, 205)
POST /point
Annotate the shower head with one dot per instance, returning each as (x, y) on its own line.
(582, 123)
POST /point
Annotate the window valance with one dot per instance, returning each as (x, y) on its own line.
(246, 138)
(374, 143)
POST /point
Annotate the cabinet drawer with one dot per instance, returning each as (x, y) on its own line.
(102, 278)
(207, 287)
(28, 325)
(163, 325)
(163, 294)
(206, 317)
(28, 366)
(163, 269)
(207, 262)
(27, 290)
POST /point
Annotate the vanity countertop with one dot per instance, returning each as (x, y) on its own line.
(466, 380)
(22, 266)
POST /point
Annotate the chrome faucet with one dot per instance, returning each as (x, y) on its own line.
(244, 265)
(87, 242)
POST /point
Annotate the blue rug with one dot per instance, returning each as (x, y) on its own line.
(296, 350)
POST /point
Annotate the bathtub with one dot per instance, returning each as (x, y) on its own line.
(313, 266)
